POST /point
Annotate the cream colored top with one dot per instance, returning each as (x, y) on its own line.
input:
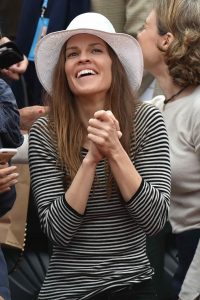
(182, 118)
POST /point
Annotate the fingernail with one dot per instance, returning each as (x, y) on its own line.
(15, 174)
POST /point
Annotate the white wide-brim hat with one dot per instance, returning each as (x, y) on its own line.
(125, 46)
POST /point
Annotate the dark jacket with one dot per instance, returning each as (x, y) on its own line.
(10, 137)
(60, 14)
(9, 118)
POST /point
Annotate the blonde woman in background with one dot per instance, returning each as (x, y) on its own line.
(170, 43)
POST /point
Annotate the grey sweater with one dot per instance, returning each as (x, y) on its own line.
(182, 119)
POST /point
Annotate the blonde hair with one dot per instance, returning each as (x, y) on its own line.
(65, 124)
(182, 19)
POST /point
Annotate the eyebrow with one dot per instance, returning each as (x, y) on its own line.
(90, 45)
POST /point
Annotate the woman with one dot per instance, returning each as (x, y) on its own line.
(99, 164)
(170, 42)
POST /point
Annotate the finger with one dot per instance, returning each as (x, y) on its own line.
(7, 180)
(7, 170)
(20, 67)
(119, 134)
(10, 74)
(98, 132)
(109, 112)
(102, 115)
(8, 185)
(3, 165)
(96, 139)
(17, 69)
(3, 190)
(97, 123)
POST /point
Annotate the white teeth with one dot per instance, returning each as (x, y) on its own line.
(85, 72)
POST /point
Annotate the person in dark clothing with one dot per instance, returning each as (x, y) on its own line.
(10, 136)
(60, 13)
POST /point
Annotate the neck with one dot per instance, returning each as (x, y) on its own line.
(175, 95)
(170, 90)
(87, 107)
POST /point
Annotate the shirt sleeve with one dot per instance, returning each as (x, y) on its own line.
(149, 207)
(11, 136)
(58, 220)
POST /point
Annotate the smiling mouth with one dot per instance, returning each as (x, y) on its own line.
(87, 72)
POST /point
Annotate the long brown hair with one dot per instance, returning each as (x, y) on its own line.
(66, 127)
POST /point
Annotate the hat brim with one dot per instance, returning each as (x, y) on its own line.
(125, 46)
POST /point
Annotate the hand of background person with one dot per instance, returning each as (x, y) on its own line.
(14, 71)
(29, 114)
(8, 177)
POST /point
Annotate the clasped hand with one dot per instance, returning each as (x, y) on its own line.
(104, 134)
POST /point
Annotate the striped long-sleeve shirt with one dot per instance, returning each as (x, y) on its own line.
(105, 247)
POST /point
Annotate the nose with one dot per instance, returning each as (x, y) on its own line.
(84, 57)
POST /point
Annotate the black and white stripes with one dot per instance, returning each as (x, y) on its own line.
(106, 246)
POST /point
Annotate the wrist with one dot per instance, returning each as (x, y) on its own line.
(89, 162)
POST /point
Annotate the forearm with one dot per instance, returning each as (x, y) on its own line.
(125, 174)
(79, 190)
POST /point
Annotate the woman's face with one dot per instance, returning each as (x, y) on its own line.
(88, 65)
(149, 40)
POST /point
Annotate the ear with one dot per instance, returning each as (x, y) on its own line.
(166, 40)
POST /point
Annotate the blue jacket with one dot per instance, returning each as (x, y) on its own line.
(9, 118)
(10, 137)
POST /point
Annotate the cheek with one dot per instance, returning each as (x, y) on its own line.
(68, 73)
(66, 69)
(109, 78)
(141, 38)
(109, 71)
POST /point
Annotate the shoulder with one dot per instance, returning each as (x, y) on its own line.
(149, 124)
(195, 97)
(40, 128)
(40, 137)
(4, 87)
(41, 122)
(146, 113)
(6, 93)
